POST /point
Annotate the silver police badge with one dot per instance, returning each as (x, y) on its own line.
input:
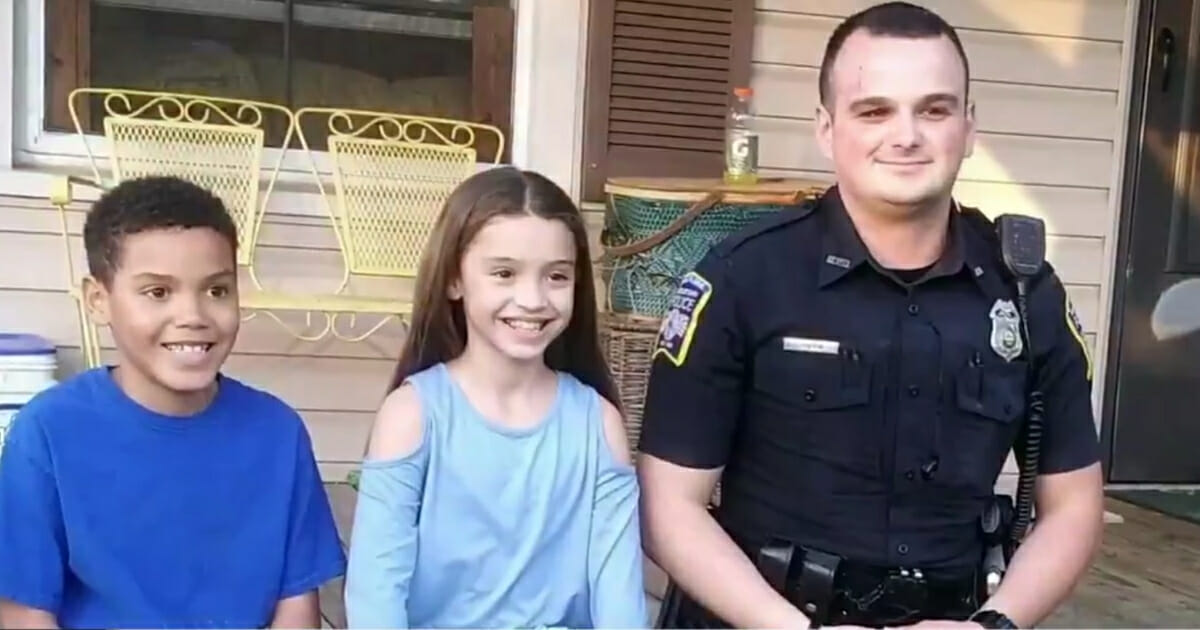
(1006, 330)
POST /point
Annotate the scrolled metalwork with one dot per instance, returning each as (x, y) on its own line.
(403, 128)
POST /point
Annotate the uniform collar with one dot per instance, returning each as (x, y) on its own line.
(842, 250)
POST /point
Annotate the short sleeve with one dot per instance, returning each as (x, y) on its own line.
(314, 553)
(1064, 378)
(32, 534)
(694, 392)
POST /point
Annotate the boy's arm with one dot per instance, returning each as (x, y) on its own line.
(300, 611)
(32, 536)
(14, 615)
(383, 547)
(314, 553)
(615, 549)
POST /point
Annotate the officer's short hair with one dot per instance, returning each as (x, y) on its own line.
(890, 19)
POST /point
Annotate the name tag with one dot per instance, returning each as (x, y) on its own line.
(804, 344)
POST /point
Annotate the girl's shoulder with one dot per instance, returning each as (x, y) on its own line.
(401, 424)
(607, 419)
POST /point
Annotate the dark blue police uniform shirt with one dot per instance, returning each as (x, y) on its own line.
(854, 413)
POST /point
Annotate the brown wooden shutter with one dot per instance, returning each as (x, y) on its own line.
(660, 74)
(492, 35)
(68, 55)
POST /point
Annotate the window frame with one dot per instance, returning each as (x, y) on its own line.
(64, 151)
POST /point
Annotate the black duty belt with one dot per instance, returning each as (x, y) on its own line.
(830, 589)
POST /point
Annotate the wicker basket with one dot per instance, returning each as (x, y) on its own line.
(657, 229)
(628, 344)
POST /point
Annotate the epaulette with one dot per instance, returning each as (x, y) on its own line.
(979, 222)
(784, 217)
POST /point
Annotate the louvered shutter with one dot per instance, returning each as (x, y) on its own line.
(659, 82)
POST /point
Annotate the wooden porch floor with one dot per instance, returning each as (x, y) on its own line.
(1146, 576)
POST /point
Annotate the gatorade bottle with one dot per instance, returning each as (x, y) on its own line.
(741, 142)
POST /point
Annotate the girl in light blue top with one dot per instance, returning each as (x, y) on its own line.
(497, 488)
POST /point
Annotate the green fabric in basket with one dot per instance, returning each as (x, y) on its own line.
(643, 284)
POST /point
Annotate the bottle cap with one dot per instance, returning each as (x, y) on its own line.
(743, 91)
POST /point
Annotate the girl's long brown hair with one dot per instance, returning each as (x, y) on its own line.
(439, 332)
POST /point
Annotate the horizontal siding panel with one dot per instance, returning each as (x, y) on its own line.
(312, 383)
(278, 230)
(54, 315)
(1088, 19)
(339, 436)
(791, 91)
(1076, 260)
(34, 261)
(799, 40)
(788, 144)
(295, 232)
(1066, 211)
(335, 472)
(301, 271)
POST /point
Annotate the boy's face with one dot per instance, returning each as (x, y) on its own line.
(172, 307)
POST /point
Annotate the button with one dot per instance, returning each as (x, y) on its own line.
(913, 309)
(914, 391)
(810, 395)
(902, 548)
(910, 475)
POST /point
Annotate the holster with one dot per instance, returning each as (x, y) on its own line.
(995, 525)
(808, 584)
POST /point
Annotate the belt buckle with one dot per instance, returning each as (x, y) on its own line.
(907, 585)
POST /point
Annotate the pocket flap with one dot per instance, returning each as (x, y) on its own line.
(996, 391)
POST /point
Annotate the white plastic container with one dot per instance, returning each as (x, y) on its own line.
(27, 366)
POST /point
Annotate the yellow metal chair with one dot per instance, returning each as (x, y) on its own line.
(217, 143)
(391, 174)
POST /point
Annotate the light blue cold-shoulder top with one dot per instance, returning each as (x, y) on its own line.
(486, 526)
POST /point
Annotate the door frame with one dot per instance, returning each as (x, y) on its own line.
(1133, 157)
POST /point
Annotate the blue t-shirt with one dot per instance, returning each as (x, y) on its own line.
(115, 516)
(484, 526)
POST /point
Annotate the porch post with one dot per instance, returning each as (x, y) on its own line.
(7, 94)
(548, 84)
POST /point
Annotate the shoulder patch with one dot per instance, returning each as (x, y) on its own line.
(780, 219)
(1076, 328)
(678, 326)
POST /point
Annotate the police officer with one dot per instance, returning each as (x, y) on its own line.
(854, 375)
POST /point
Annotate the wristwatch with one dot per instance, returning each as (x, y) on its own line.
(992, 619)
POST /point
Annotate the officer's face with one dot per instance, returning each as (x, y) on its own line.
(900, 125)
(517, 285)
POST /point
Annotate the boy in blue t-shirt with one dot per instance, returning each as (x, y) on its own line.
(160, 492)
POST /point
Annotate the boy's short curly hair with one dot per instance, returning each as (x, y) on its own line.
(149, 203)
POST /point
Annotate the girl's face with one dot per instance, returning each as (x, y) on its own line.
(517, 285)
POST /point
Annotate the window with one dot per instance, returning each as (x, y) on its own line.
(445, 58)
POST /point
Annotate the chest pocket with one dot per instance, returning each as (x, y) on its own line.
(985, 418)
(818, 402)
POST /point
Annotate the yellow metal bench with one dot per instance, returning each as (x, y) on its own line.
(390, 174)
